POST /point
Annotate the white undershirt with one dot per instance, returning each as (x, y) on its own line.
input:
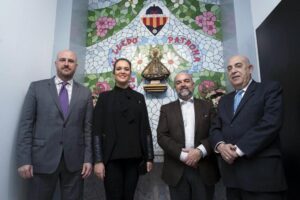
(188, 115)
(69, 86)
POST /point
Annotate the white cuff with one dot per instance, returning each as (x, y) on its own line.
(203, 150)
(216, 150)
(239, 151)
(183, 156)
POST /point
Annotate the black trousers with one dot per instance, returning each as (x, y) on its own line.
(42, 186)
(238, 194)
(191, 187)
(121, 177)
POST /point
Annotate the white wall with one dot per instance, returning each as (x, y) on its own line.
(31, 33)
(240, 20)
(245, 34)
(261, 9)
(26, 46)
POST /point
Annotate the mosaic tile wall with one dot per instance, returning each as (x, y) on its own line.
(186, 32)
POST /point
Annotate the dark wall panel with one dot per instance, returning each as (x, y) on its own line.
(278, 41)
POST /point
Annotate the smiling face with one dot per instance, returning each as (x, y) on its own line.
(66, 63)
(239, 71)
(184, 85)
(122, 73)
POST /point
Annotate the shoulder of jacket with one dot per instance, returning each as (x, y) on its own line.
(43, 81)
(134, 92)
(171, 104)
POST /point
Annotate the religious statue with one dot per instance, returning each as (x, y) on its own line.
(155, 72)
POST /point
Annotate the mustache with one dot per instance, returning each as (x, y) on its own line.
(184, 88)
(66, 67)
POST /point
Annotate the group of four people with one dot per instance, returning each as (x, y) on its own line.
(62, 138)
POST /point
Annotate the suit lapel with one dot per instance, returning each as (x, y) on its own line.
(54, 95)
(179, 119)
(75, 94)
(229, 105)
(198, 111)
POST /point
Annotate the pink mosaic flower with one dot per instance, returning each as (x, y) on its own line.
(207, 22)
(205, 87)
(200, 20)
(101, 32)
(101, 86)
(210, 28)
(132, 83)
(209, 16)
(110, 23)
(103, 24)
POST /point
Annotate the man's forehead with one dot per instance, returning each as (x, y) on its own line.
(181, 77)
(237, 59)
(66, 54)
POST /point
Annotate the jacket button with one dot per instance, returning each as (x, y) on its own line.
(61, 142)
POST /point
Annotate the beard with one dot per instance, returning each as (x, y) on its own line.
(184, 93)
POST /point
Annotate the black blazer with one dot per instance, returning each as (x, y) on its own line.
(170, 136)
(254, 128)
(104, 128)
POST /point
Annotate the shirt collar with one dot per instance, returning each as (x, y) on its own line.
(58, 81)
(245, 88)
(190, 100)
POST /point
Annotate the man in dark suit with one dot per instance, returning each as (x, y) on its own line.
(246, 135)
(54, 141)
(190, 168)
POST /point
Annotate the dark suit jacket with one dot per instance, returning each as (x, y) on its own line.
(171, 138)
(254, 129)
(104, 128)
(44, 133)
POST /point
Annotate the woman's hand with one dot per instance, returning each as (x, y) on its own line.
(149, 166)
(99, 170)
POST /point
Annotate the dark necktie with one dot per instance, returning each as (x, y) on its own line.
(64, 99)
(237, 99)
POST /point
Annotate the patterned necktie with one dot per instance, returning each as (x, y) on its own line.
(64, 99)
(237, 99)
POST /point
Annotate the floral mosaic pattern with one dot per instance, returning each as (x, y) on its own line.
(207, 20)
(103, 23)
(190, 40)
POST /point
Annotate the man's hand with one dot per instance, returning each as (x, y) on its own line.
(99, 170)
(149, 166)
(193, 157)
(26, 171)
(227, 152)
(86, 170)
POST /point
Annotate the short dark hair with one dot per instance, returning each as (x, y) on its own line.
(121, 59)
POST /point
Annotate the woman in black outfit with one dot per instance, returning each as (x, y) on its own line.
(123, 146)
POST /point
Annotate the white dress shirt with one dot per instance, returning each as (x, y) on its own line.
(69, 86)
(188, 115)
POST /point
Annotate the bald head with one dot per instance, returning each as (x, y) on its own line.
(239, 71)
(66, 63)
(240, 57)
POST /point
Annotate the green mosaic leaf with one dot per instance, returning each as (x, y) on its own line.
(193, 8)
(214, 8)
(94, 38)
(91, 18)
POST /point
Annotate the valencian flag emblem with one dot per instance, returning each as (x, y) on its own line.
(154, 19)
